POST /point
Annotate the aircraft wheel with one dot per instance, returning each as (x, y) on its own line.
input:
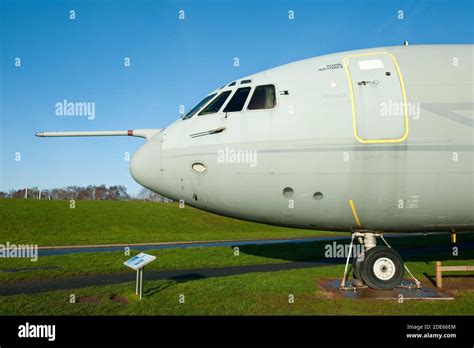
(382, 268)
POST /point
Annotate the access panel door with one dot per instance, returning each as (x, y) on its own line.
(379, 111)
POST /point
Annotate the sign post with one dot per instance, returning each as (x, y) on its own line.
(137, 263)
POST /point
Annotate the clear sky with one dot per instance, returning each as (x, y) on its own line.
(173, 62)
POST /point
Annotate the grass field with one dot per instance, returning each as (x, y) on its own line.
(263, 293)
(49, 223)
(247, 294)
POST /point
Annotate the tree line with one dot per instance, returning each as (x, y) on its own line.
(91, 192)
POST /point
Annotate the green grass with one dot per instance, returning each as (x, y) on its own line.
(71, 265)
(109, 262)
(54, 223)
(49, 223)
(248, 294)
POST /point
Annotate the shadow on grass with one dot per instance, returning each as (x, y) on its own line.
(431, 278)
(173, 281)
(446, 277)
(287, 251)
(410, 249)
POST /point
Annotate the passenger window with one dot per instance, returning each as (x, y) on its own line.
(216, 104)
(238, 100)
(263, 98)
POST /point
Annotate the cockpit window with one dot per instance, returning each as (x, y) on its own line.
(195, 109)
(238, 100)
(216, 104)
(263, 98)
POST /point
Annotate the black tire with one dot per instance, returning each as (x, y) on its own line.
(382, 268)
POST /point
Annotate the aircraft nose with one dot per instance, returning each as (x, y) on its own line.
(145, 165)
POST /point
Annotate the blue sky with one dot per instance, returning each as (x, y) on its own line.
(173, 62)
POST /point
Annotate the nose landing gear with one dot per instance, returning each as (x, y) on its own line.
(382, 268)
(379, 267)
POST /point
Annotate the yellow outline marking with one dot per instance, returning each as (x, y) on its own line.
(354, 212)
(453, 235)
(351, 90)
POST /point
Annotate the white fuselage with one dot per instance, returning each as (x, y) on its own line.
(379, 139)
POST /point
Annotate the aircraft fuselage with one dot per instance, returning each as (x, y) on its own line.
(378, 139)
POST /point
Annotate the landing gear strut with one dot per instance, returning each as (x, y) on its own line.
(379, 267)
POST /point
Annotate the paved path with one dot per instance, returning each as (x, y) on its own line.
(30, 287)
(63, 250)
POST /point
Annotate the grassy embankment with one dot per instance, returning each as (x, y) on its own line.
(49, 223)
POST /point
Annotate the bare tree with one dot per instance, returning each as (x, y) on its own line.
(150, 196)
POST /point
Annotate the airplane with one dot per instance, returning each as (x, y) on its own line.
(368, 141)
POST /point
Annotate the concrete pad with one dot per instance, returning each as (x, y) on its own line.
(332, 287)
